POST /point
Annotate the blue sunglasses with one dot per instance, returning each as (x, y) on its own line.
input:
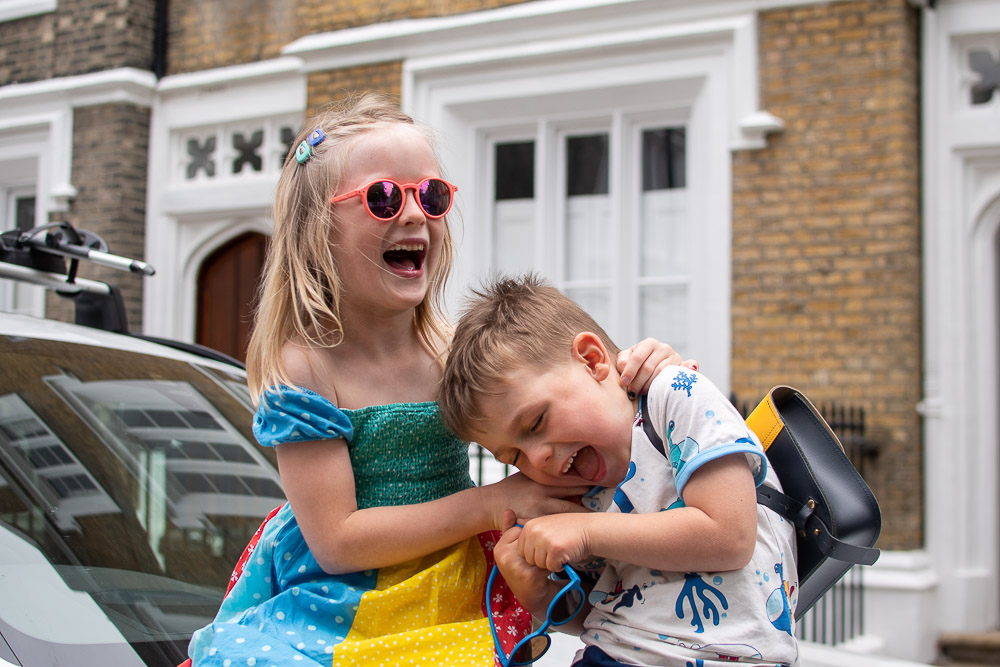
(563, 608)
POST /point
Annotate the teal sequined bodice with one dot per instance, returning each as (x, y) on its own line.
(403, 454)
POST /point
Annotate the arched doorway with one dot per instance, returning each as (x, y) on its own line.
(227, 286)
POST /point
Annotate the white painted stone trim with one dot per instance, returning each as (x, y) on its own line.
(185, 222)
(47, 107)
(11, 10)
(961, 202)
(124, 84)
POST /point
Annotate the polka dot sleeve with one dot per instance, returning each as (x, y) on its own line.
(293, 414)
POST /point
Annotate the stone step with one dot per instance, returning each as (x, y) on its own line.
(969, 649)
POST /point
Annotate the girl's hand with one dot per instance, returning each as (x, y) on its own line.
(639, 364)
(528, 499)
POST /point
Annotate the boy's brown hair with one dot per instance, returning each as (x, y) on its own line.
(509, 323)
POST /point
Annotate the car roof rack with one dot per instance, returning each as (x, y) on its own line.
(39, 257)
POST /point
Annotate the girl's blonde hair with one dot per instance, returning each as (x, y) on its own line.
(299, 296)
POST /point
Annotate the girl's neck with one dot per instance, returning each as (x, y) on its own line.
(382, 369)
(379, 337)
(381, 360)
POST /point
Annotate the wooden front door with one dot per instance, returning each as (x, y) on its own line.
(227, 287)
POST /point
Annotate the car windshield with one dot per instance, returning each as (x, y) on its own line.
(130, 484)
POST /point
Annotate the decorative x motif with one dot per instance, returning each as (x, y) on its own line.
(982, 62)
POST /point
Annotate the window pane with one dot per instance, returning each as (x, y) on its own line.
(24, 213)
(198, 419)
(513, 235)
(665, 234)
(587, 208)
(247, 149)
(587, 257)
(515, 170)
(514, 207)
(663, 154)
(201, 157)
(287, 136)
(587, 165)
(596, 301)
(663, 314)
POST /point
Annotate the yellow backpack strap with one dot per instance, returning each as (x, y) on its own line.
(765, 422)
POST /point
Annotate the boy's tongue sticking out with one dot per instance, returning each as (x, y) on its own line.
(588, 465)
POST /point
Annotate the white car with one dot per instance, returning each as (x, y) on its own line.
(130, 484)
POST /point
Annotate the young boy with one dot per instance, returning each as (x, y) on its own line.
(694, 572)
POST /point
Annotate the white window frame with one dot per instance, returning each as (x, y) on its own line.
(468, 73)
(14, 296)
(704, 72)
(188, 220)
(11, 10)
(546, 252)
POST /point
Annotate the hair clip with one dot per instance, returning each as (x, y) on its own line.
(304, 149)
(302, 152)
(316, 137)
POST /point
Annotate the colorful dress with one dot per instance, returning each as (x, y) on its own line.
(283, 609)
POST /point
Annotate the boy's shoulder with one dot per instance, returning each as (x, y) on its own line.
(680, 388)
(689, 421)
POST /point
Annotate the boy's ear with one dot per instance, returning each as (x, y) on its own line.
(589, 349)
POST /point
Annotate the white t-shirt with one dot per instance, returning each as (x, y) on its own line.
(648, 617)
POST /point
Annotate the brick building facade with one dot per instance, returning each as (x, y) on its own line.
(78, 38)
(110, 138)
(826, 232)
(804, 130)
(826, 226)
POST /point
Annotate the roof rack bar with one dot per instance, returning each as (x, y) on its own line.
(95, 256)
(49, 256)
(55, 242)
(52, 281)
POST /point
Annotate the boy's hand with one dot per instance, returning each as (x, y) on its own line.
(639, 364)
(528, 583)
(550, 542)
(529, 499)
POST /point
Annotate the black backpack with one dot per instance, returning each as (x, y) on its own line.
(835, 514)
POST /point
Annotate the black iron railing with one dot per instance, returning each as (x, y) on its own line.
(838, 616)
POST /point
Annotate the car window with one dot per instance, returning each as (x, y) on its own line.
(136, 477)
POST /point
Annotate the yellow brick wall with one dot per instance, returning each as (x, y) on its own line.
(325, 87)
(213, 33)
(826, 232)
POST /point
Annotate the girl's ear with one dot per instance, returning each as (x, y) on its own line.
(589, 349)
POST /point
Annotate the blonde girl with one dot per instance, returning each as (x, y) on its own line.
(381, 554)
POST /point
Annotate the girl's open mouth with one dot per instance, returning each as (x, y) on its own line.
(406, 258)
